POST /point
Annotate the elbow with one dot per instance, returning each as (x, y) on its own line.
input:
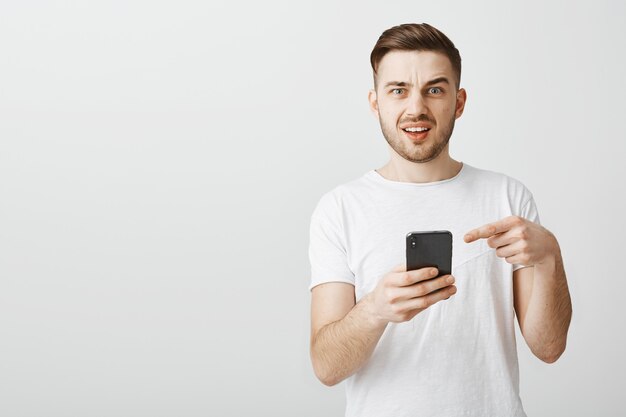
(551, 355)
(328, 381)
(550, 358)
(322, 373)
(326, 378)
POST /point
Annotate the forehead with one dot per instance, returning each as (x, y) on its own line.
(414, 66)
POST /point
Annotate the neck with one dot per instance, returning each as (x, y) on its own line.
(441, 168)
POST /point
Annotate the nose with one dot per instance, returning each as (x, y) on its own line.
(416, 105)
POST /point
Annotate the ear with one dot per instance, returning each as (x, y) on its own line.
(461, 97)
(371, 97)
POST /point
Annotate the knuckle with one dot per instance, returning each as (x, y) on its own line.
(422, 303)
(420, 290)
(405, 316)
(406, 278)
(440, 283)
(387, 282)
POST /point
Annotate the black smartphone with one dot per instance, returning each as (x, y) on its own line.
(432, 248)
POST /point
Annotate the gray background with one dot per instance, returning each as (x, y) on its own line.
(159, 162)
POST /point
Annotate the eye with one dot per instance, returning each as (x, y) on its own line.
(438, 90)
(397, 91)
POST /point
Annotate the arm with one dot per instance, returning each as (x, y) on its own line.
(541, 297)
(344, 334)
(543, 305)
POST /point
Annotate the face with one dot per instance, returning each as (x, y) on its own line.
(416, 101)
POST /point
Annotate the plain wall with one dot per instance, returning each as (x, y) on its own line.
(159, 163)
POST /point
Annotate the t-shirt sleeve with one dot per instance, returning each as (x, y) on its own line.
(327, 245)
(529, 211)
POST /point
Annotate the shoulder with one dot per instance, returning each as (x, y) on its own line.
(333, 201)
(511, 187)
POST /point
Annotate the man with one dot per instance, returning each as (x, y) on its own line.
(408, 344)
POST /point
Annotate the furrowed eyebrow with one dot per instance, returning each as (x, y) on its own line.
(438, 80)
(405, 84)
(397, 84)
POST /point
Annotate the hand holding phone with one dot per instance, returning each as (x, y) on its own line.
(424, 280)
(400, 295)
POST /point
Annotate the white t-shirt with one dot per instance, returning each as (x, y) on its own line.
(458, 357)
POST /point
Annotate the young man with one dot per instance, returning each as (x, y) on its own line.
(407, 344)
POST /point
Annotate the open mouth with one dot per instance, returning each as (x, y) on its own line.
(416, 133)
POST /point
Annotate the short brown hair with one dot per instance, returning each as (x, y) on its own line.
(416, 37)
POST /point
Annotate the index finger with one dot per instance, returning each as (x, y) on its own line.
(489, 229)
(414, 276)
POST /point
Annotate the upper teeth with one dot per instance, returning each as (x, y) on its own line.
(416, 129)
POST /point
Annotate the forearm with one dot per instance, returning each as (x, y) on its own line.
(340, 348)
(549, 311)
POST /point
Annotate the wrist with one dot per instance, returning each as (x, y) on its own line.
(553, 252)
(549, 264)
(370, 313)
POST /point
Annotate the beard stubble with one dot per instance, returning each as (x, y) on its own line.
(417, 153)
